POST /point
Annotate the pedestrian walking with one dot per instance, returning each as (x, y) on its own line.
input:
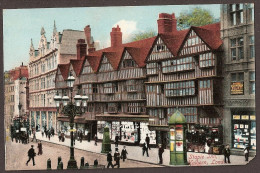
(226, 154)
(95, 138)
(117, 158)
(147, 140)
(246, 152)
(89, 137)
(124, 135)
(160, 152)
(80, 137)
(42, 133)
(123, 154)
(109, 160)
(49, 134)
(34, 136)
(116, 140)
(31, 155)
(145, 149)
(59, 135)
(40, 148)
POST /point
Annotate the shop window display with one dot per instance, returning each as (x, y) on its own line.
(244, 131)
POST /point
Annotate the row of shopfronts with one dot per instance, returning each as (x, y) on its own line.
(199, 137)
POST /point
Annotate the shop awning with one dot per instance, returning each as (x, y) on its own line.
(158, 127)
(122, 117)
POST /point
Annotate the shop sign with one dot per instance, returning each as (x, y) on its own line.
(244, 117)
(252, 117)
(236, 117)
(237, 88)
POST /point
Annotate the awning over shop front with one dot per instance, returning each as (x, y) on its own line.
(158, 127)
(123, 117)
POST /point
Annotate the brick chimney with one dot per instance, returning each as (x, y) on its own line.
(167, 23)
(87, 31)
(81, 49)
(116, 37)
(92, 49)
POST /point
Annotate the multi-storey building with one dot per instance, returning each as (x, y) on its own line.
(237, 33)
(42, 71)
(184, 73)
(135, 87)
(16, 93)
(113, 78)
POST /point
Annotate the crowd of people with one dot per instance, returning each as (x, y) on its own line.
(117, 155)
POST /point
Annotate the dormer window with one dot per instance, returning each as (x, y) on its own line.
(128, 63)
(160, 48)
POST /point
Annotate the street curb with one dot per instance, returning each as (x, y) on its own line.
(105, 154)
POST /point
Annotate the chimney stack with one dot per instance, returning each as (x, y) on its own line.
(87, 31)
(167, 23)
(116, 37)
(81, 49)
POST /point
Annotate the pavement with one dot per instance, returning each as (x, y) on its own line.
(135, 153)
(16, 157)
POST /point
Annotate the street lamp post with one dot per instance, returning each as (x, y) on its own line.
(71, 109)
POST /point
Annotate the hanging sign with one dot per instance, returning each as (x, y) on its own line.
(237, 88)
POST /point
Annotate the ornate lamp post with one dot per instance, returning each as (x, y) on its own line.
(71, 109)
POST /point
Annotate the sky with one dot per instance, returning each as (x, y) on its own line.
(22, 25)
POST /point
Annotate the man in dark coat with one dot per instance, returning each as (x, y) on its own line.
(95, 138)
(116, 140)
(226, 154)
(49, 134)
(89, 137)
(123, 154)
(246, 152)
(145, 149)
(40, 148)
(80, 136)
(147, 140)
(31, 155)
(117, 158)
(109, 160)
(160, 152)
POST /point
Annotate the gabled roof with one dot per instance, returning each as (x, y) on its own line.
(138, 50)
(19, 73)
(77, 66)
(210, 34)
(94, 62)
(174, 41)
(64, 69)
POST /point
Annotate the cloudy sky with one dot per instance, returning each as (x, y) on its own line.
(20, 25)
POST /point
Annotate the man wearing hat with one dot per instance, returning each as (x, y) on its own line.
(109, 159)
(31, 155)
(160, 152)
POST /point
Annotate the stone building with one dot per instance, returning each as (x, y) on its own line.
(16, 81)
(42, 71)
(237, 33)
